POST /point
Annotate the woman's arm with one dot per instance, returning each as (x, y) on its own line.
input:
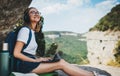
(17, 52)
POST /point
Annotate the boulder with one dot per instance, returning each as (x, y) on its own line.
(10, 12)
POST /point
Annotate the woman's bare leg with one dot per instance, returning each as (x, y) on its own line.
(61, 65)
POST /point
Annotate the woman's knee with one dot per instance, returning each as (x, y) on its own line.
(63, 63)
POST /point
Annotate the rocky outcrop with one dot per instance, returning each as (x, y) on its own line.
(10, 12)
(101, 46)
(88, 68)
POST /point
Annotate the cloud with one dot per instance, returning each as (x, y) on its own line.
(50, 6)
(57, 7)
(53, 8)
(77, 2)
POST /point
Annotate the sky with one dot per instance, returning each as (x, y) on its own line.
(72, 15)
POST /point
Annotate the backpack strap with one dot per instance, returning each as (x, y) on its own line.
(29, 38)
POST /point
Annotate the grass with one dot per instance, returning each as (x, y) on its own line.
(74, 51)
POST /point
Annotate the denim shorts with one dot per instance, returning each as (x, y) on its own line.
(25, 66)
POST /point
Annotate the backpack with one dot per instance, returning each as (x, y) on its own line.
(11, 40)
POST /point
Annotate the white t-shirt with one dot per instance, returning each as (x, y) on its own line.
(23, 36)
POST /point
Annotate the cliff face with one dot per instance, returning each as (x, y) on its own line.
(10, 12)
(101, 46)
(103, 38)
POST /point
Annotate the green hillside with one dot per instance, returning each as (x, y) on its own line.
(73, 49)
(111, 21)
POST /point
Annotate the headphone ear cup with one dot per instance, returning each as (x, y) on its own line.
(26, 18)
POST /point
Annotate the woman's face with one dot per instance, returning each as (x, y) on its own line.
(34, 15)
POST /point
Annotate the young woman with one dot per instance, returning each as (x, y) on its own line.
(27, 60)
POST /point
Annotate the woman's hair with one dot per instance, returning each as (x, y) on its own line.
(26, 18)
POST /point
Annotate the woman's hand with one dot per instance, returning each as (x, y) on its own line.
(42, 59)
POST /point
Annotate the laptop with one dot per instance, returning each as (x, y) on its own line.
(55, 58)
